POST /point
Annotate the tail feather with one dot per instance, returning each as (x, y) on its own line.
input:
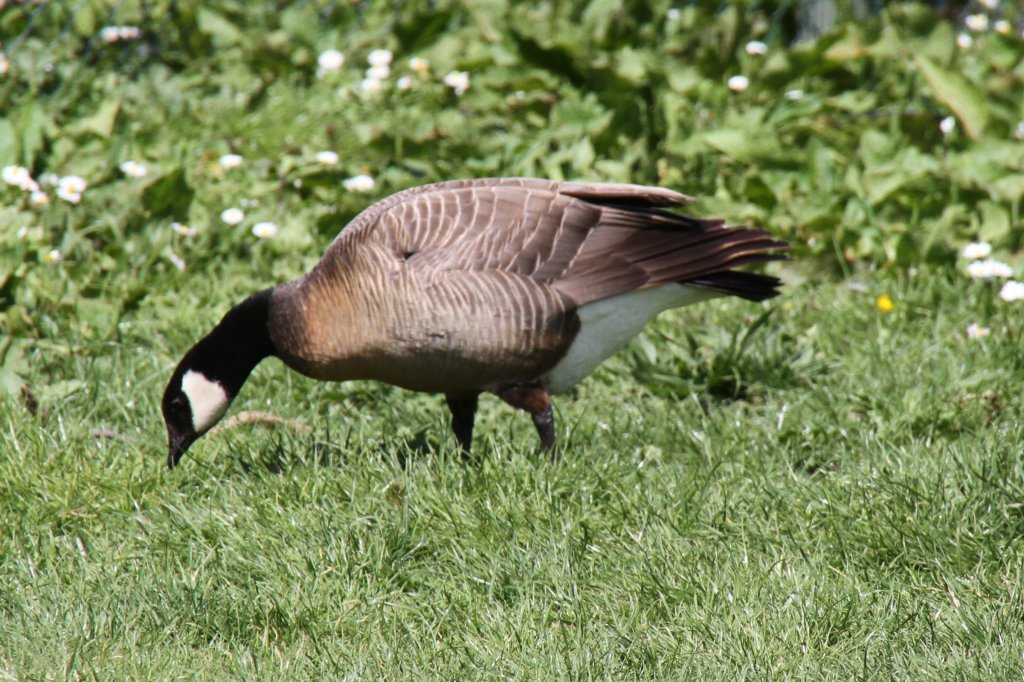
(749, 285)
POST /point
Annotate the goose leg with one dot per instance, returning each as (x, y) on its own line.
(545, 423)
(537, 401)
(463, 408)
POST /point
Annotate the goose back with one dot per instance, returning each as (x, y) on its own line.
(472, 284)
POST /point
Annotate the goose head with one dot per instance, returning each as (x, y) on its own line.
(212, 373)
(192, 404)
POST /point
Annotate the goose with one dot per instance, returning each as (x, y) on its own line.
(518, 287)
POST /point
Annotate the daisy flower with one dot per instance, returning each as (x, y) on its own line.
(975, 331)
(380, 58)
(419, 65)
(756, 48)
(229, 161)
(1012, 291)
(458, 81)
(330, 60)
(359, 183)
(977, 250)
(988, 268)
(232, 216)
(134, 169)
(327, 157)
(264, 230)
(739, 83)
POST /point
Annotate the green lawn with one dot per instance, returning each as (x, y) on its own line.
(855, 515)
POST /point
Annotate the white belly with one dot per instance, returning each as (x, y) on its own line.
(609, 324)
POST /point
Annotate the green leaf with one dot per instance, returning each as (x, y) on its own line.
(10, 150)
(32, 122)
(995, 222)
(59, 390)
(85, 20)
(910, 165)
(218, 27)
(600, 17)
(940, 44)
(747, 145)
(961, 96)
(169, 195)
(102, 122)
(632, 65)
(1009, 187)
(10, 382)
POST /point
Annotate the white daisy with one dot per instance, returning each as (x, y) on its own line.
(330, 60)
(264, 230)
(976, 22)
(359, 183)
(327, 157)
(70, 188)
(947, 125)
(458, 81)
(109, 34)
(183, 229)
(419, 65)
(134, 169)
(988, 268)
(975, 331)
(739, 83)
(756, 48)
(369, 87)
(380, 58)
(19, 176)
(177, 261)
(1012, 291)
(53, 256)
(976, 250)
(232, 216)
(229, 161)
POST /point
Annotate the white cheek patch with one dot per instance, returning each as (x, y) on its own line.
(207, 398)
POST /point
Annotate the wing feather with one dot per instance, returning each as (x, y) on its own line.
(586, 241)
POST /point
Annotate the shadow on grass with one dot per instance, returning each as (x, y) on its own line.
(276, 451)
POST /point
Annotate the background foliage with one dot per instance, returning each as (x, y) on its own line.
(856, 169)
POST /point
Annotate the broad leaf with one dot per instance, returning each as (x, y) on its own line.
(961, 96)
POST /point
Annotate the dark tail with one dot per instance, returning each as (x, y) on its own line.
(748, 285)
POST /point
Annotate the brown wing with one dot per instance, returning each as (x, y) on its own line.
(587, 241)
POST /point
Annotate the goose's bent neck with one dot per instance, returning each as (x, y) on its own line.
(238, 343)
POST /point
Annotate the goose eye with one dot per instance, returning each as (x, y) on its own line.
(179, 404)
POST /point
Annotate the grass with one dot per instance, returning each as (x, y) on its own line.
(855, 513)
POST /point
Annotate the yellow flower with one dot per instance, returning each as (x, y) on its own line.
(884, 303)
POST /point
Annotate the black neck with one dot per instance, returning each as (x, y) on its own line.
(237, 344)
